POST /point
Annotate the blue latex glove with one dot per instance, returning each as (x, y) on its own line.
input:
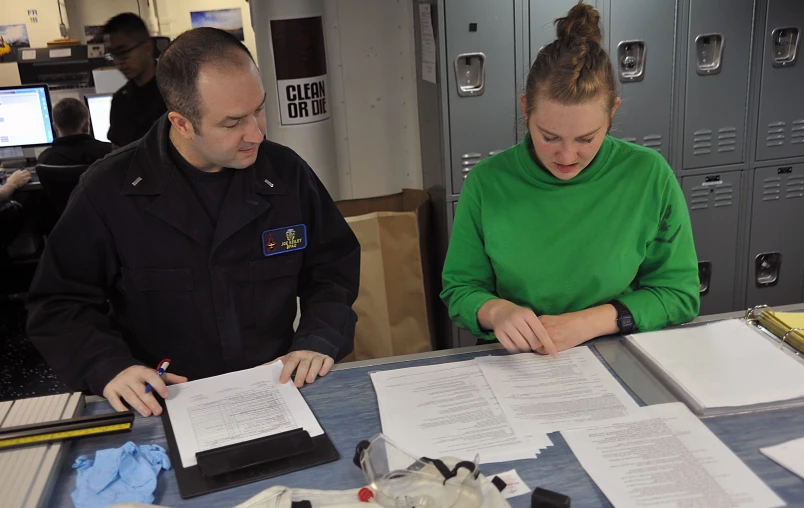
(119, 475)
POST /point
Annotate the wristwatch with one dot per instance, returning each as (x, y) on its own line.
(625, 320)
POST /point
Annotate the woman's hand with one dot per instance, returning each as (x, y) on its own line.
(575, 328)
(517, 328)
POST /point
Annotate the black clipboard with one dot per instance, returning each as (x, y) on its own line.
(247, 462)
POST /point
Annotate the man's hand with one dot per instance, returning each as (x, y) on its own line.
(517, 328)
(575, 328)
(130, 385)
(19, 178)
(307, 364)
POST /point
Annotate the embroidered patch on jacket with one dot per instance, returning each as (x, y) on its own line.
(282, 240)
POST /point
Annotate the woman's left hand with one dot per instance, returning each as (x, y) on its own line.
(574, 328)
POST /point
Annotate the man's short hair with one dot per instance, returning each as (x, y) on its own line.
(70, 115)
(129, 24)
(178, 67)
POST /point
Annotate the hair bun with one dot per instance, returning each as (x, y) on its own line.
(582, 20)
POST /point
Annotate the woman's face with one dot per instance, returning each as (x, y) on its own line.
(567, 138)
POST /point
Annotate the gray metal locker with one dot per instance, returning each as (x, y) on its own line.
(776, 260)
(718, 56)
(543, 13)
(641, 47)
(780, 130)
(481, 82)
(714, 204)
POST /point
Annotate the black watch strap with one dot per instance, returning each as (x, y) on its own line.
(625, 320)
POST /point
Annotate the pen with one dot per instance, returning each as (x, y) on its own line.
(160, 369)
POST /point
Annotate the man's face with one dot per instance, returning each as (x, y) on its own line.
(232, 123)
(132, 56)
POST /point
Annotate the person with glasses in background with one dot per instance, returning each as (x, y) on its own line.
(138, 104)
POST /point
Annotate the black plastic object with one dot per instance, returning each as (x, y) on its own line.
(543, 498)
(251, 453)
(275, 462)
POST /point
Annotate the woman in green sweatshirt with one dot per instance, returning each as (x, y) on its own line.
(571, 234)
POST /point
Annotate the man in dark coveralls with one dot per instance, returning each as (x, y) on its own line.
(193, 244)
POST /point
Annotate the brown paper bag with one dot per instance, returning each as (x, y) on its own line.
(393, 306)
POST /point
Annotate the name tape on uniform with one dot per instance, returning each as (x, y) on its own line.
(282, 240)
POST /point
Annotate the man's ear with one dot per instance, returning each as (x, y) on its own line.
(182, 125)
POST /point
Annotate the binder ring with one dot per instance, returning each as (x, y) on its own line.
(784, 338)
(750, 314)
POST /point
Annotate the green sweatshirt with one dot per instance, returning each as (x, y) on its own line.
(619, 230)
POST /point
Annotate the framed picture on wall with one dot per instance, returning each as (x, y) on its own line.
(13, 37)
(230, 20)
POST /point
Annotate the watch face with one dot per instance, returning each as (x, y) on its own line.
(626, 323)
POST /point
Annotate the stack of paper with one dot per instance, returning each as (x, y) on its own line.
(553, 394)
(448, 410)
(501, 408)
(664, 456)
(724, 364)
(780, 323)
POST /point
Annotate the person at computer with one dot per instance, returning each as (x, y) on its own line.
(138, 104)
(194, 243)
(73, 144)
(571, 234)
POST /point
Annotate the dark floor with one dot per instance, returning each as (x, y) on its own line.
(23, 372)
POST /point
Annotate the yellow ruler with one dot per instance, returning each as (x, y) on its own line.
(67, 434)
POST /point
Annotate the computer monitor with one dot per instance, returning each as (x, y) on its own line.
(25, 116)
(99, 107)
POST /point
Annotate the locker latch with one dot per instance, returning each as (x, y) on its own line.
(470, 74)
(708, 53)
(631, 58)
(768, 266)
(785, 46)
(704, 276)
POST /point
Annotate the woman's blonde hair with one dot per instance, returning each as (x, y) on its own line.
(574, 68)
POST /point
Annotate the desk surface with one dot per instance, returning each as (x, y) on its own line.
(346, 405)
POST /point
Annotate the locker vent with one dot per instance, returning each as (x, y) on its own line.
(771, 188)
(795, 187)
(704, 195)
(797, 132)
(702, 142)
(724, 195)
(630, 139)
(726, 139)
(468, 161)
(775, 134)
(653, 141)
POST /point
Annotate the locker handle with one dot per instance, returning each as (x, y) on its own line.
(768, 266)
(704, 276)
(470, 74)
(631, 60)
(784, 42)
(709, 53)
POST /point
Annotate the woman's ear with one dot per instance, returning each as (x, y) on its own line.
(523, 102)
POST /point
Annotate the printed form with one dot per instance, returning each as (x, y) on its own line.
(552, 394)
(664, 456)
(448, 410)
(240, 406)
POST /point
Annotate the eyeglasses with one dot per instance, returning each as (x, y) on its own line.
(123, 53)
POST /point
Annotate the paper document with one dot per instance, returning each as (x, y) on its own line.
(724, 364)
(448, 410)
(789, 455)
(428, 43)
(666, 457)
(236, 407)
(552, 394)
